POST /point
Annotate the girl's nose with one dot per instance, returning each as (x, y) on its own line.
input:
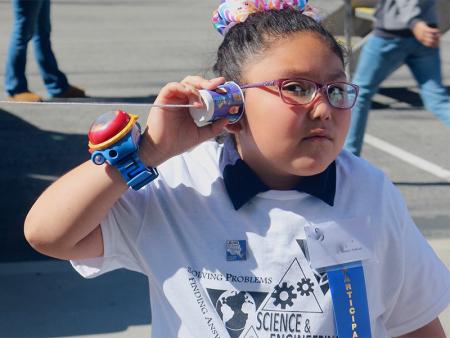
(321, 108)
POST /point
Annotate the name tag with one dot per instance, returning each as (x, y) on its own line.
(339, 242)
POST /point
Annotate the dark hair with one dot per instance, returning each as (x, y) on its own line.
(253, 37)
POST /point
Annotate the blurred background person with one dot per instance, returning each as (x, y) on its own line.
(405, 32)
(32, 21)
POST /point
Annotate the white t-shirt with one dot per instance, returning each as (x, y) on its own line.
(178, 229)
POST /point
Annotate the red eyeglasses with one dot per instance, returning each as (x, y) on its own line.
(341, 95)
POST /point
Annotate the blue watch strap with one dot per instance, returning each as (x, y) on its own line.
(134, 171)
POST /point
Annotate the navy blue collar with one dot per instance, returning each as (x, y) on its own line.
(243, 184)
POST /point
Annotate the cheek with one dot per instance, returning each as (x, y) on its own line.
(272, 128)
(343, 123)
(275, 138)
(259, 113)
(267, 114)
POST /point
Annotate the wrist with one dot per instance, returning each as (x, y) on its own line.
(413, 23)
(114, 138)
(114, 175)
(148, 152)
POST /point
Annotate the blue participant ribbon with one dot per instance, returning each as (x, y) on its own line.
(348, 291)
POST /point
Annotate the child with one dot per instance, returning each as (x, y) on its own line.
(222, 234)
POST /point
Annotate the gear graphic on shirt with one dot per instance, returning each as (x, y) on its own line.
(283, 295)
(305, 287)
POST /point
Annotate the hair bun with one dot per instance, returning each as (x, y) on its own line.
(231, 12)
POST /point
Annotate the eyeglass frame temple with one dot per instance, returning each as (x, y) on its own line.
(319, 87)
(277, 83)
(260, 84)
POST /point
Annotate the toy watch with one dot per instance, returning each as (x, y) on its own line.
(114, 138)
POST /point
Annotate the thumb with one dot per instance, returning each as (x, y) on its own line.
(212, 130)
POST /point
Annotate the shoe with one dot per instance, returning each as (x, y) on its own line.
(71, 92)
(25, 97)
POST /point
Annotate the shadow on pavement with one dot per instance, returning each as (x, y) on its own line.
(424, 184)
(39, 296)
(49, 299)
(32, 159)
(400, 94)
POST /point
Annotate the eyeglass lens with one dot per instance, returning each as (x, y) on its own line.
(340, 95)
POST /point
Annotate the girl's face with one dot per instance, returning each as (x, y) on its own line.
(280, 141)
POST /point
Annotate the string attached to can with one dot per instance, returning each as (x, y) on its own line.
(227, 101)
(150, 105)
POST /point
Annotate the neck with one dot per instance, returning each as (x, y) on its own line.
(272, 178)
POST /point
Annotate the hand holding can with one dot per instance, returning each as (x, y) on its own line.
(227, 101)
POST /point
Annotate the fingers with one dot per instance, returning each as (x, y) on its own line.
(212, 130)
(432, 37)
(426, 35)
(431, 41)
(201, 83)
(178, 93)
(187, 90)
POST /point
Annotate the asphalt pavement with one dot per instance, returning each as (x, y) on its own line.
(125, 51)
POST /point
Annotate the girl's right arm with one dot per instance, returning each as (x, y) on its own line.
(64, 221)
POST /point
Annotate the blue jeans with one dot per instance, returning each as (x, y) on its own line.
(32, 21)
(379, 58)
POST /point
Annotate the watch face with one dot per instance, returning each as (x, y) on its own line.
(107, 126)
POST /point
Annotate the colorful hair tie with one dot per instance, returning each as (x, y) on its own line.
(231, 12)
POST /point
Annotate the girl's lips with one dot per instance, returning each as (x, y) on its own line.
(318, 135)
